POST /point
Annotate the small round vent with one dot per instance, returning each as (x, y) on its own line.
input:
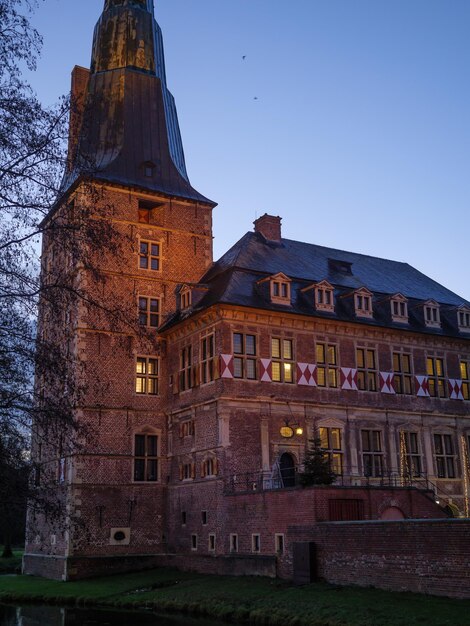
(119, 536)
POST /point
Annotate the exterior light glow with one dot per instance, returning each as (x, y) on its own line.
(299, 431)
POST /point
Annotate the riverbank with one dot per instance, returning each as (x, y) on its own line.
(13, 565)
(241, 600)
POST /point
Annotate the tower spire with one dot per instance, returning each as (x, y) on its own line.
(130, 125)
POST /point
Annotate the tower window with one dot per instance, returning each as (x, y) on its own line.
(149, 312)
(149, 255)
(147, 373)
(145, 458)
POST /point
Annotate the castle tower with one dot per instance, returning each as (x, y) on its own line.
(139, 229)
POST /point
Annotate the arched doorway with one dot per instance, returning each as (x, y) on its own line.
(287, 470)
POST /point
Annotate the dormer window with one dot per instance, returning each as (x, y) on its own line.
(149, 169)
(463, 318)
(185, 298)
(324, 297)
(363, 303)
(280, 289)
(399, 309)
(145, 211)
(432, 317)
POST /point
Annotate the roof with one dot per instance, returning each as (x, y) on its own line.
(234, 279)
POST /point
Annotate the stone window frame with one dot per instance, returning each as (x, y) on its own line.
(255, 543)
(363, 306)
(370, 372)
(463, 319)
(283, 360)
(414, 455)
(186, 298)
(399, 309)
(186, 367)
(464, 364)
(329, 450)
(146, 432)
(448, 457)
(152, 379)
(149, 255)
(324, 296)
(210, 466)
(331, 369)
(208, 361)
(432, 314)
(244, 357)
(280, 288)
(436, 373)
(373, 453)
(406, 379)
(187, 469)
(147, 311)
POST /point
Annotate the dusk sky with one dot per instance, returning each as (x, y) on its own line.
(348, 118)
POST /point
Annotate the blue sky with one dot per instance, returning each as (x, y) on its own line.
(359, 136)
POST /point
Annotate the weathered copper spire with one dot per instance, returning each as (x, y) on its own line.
(128, 133)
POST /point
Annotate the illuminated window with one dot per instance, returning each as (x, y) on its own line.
(282, 360)
(244, 349)
(399, 309)
(444, 455)
(327, 365)
(372, 454)
(402, 379)
(412, 456)
(145, 458)
(208, 358)
(330, 441)
(363, 303)
(149, 255)
(186, 368)
(465, 376)
(255, 543)
(463, 316)
(366, 361)
(432, 317)
(436, 377)
(149, 312)
(147, 373)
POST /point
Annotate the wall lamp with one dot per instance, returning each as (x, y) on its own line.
(289, 430)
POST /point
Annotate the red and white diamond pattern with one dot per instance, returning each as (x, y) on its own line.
(226, 366)
(266, 370)
(348, 378)
(307, 374)
(386, 382)
(422, 386)
(455, 389)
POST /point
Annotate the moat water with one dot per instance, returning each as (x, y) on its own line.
(34, 615)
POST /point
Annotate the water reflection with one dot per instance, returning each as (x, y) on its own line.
(56, 616)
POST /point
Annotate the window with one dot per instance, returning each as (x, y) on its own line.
(183, 518)
(149, 255)
(147, 372)
(204, 518)
(145, 458)
(324, 297)
(255, 543)
(464, 319)
(432, 317)
(208, 358)
(149, 312)
(211, 542)
(209, 467)
(279, 543)
(185, 299)
(244, 348)
(363, 303)
(330, 440)
(233, 543)
(403, 379)
(193, 542)
(372, 455)
(399, 306)
(465, 376)
(436, 377)
(410, 456)
(186, 381)
(187, 470)
(144, 214)
(327, 365)
(282, 360)
(187, 428)
(280, 289)
(444, 452)
(366, 361)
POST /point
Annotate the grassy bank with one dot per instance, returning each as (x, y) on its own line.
(11, 566)
(242, 600)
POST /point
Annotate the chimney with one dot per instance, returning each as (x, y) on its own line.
(269, 226)
(80, 77)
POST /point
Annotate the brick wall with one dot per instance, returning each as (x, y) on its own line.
(423, 556)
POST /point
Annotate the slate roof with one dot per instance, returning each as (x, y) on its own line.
(234, 279)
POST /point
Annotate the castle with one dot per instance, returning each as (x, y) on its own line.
(201, 415)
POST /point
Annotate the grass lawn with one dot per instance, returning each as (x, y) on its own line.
(10, 566)
(243, 600)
